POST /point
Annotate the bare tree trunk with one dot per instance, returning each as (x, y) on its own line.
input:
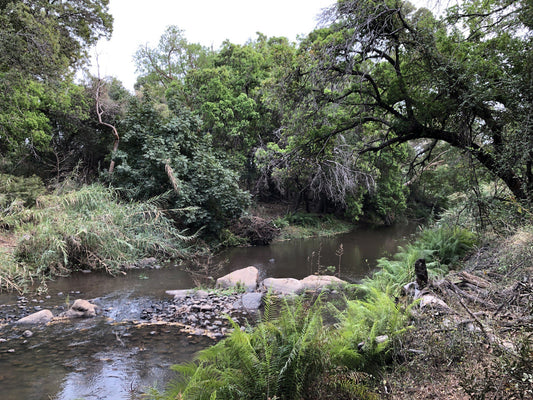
(99, 113)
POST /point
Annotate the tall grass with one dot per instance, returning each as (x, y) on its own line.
(87, 228)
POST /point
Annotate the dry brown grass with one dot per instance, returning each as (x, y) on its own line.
(8, 242)
(482, 346)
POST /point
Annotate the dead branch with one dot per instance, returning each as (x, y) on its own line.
(100, 84)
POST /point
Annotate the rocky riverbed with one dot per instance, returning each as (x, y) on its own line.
(235, 303)
(207, 313)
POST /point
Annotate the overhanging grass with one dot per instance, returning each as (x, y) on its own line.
(87, 228)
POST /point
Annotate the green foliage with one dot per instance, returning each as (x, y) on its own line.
(385, 73)
(303, 219)
(90, 229)
(441, 247)
(43, 39)
(354, 207)
(388, 202)
(279, 358)
(170, 61)
(42, 43)
(300, 225)
(366, 330)
(169, 153)
(447, 244)
(19, 188)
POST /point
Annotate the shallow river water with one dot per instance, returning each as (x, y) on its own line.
(109, 357)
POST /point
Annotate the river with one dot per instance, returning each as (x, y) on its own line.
(108, 357)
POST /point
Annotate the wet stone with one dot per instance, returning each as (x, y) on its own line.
(207, 311)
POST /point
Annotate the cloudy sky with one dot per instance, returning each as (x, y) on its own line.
(209, 22)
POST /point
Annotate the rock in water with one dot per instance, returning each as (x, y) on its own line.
(283, 285)
(40, 317)
(252, 301)
(81, 309)
(245, 277)
(314, 282)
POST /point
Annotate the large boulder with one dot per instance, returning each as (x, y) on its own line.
(249, 302)
(81, 309)
(314, 282)
(39, 317)
(283, 285)
(245, 277)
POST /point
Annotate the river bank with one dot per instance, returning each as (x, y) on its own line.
(480, 344)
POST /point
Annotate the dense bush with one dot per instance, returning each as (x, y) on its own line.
(169, 153)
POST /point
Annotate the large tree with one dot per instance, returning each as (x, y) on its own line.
(42, 44)
(388, 73)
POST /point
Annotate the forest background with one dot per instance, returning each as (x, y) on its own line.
(385, 112)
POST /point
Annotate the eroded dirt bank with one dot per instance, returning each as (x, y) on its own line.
(480, 345)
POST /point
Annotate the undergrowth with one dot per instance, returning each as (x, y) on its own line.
(278, 358)
(89, 228)
(285, 357)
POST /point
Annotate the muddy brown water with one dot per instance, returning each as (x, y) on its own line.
(110, 357)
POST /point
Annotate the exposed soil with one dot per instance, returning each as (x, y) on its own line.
(481, 347)
(8, 242)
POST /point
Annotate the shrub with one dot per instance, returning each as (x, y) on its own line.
(279, 358)
(170, 153)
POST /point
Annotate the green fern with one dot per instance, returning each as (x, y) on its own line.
(276, 359)
(361, 323)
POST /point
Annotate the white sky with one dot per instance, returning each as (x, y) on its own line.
(208, 22)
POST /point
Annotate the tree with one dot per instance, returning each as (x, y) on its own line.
(42, 43)
(464, 79)
(168, 152)
(47, 39)
(171, 60)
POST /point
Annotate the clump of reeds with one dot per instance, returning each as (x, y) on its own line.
(89, 228)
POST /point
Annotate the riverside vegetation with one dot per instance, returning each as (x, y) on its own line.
(385, 112)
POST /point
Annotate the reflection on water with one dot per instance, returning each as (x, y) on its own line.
(107, 358)
(91, 360)
(300, 258)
